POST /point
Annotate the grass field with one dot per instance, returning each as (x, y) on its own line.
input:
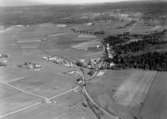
(117, 92)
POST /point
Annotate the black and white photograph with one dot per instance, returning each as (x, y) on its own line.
(83, 59)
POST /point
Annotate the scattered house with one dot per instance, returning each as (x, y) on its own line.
(75, 73)
(82, 60)
(79, 81)
(109, 52)
(59, 60)
(48, 101)
(112, 64)
(31, 66)
(98, 46)
(89, 24)
(45, 58)
(72, 72)
(100, 73)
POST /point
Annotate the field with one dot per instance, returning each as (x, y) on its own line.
(24, 91)
(49, 92)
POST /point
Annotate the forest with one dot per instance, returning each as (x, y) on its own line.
(148, 53)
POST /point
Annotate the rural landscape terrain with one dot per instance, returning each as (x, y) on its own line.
(97, 61)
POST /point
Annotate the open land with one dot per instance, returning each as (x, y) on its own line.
(33, 88)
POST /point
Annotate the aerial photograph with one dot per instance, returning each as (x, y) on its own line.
(83, 59)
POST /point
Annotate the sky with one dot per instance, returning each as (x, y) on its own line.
(79, 1)
(34, 2)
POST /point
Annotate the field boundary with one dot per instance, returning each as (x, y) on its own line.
(20, 110)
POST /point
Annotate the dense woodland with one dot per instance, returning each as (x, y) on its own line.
(147, 61)
(146, 53)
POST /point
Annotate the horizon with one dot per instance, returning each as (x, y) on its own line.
(6, 3)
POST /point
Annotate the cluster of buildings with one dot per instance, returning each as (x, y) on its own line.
(101, 32)
(59, 60)
(96, 63)
(92, 63)
(31, 66)
(25, 65)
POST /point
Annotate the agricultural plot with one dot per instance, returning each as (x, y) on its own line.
(44, 93)
(155, 104)
(122, 92)
(12, 100)
(46, 84)
(65, 107)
